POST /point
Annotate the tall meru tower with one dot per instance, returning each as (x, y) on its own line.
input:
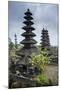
(29, 43)
(45, 41)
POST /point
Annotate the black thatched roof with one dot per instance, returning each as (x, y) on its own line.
(31, 41)
(28, 28)
(28, 34)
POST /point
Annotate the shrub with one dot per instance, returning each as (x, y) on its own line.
(40, 61)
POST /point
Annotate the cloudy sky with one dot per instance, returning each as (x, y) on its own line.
(45, 15)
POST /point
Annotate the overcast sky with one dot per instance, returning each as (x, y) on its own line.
(45, 15)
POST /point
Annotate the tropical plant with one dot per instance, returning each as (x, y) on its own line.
(40, 61)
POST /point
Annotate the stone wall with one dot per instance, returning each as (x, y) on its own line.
(51, 73)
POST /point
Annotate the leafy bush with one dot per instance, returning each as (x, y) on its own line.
(12, 51)
(12, 55)
(40, 61)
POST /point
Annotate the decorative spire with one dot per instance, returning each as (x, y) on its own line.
(28, 12)
(15, 41)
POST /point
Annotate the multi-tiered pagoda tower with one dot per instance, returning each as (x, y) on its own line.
(45, 41)
(23, 61)
(28, 42)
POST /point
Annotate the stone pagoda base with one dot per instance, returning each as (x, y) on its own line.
(29, 51)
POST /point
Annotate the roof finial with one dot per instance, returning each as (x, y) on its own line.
(15, 34)
(28, 10)
(15, 40)
(43, 27)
